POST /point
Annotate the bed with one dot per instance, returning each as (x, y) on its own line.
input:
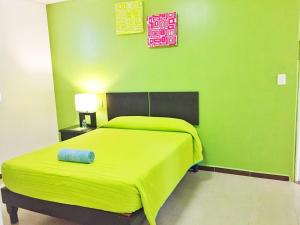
(139, 162)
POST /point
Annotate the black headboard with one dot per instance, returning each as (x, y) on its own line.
(182, 105)
(127, 104)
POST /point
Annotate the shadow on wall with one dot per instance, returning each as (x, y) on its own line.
(102, 111)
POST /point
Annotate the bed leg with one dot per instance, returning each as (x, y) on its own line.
(13, 214)
(194, 169)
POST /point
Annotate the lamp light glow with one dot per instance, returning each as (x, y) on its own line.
(86, 103)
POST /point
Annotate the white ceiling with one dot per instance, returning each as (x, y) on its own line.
(50, 1)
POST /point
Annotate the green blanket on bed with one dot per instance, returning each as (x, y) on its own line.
(139, 161)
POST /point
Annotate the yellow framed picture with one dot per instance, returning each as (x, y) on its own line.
(129, 17)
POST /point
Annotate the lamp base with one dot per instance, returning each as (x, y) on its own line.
(92, 117)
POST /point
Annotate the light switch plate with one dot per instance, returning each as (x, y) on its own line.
(281, 79)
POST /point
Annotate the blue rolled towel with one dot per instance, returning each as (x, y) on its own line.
(73, 155)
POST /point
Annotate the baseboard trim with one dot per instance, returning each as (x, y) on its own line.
(244, 173)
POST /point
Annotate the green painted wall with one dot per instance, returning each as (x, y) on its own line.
(230, 51)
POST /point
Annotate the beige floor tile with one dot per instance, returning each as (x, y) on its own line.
(276, 205)
(207, 198)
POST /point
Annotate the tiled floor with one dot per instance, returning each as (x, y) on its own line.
(207, 198)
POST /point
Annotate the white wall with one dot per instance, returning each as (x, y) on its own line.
(27, 111)
(297, 167)
(297, 163)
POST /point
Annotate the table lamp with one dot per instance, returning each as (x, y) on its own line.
(86, 105)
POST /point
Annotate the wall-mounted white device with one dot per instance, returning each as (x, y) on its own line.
(281, 79)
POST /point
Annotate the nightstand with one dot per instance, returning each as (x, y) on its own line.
(73, 131)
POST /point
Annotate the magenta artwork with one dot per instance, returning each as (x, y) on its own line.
(162, 30)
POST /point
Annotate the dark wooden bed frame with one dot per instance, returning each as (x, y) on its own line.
(183, 105)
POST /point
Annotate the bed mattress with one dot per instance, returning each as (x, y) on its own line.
(133, 168)
(109, 182)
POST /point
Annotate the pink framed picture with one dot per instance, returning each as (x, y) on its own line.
(162, 30)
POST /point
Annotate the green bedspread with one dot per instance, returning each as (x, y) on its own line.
(139, 161)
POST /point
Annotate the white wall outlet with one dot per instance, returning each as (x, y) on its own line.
(281, 79)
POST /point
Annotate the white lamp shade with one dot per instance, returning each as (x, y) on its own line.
(86, 103)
